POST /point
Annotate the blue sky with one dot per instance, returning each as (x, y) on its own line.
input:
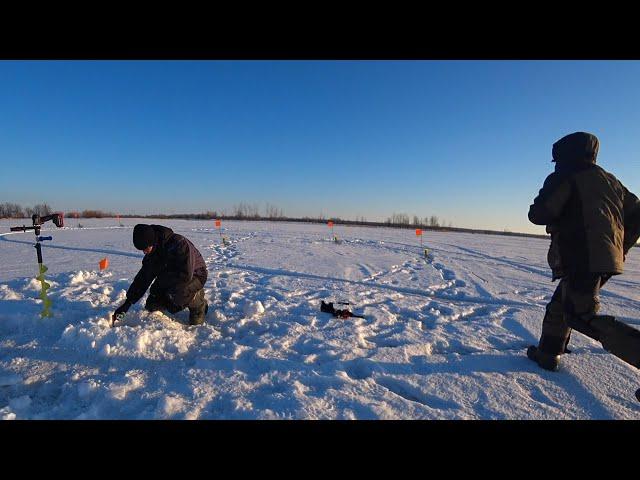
(469, 141)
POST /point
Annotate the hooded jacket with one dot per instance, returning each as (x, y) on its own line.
(174, 261)
(592, 218)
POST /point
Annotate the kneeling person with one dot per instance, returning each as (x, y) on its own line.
(177, 270)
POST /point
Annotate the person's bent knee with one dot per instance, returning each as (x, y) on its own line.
(182, 294)
(173, 308)
(154, 303)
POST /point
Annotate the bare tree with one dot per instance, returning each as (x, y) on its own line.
(272, 211)
(11, 210)
(96, 214)
(246, 210)
(42, 209)
(399, 219)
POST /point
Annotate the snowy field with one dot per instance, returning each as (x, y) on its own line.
(443, 338)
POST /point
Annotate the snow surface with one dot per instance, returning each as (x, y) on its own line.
(443, 337)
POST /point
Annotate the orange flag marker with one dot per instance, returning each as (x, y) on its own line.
(419, 234)
(104, 263)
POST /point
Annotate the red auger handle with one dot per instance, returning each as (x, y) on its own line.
(57, 218)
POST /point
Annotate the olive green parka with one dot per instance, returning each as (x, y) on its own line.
(592, 218)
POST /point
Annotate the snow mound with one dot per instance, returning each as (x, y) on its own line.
(251, 309)
(7, 294)
(82, 277)
(170, 406)
(35, 285)
(7, 414)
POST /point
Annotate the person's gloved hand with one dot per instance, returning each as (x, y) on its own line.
(121, 310)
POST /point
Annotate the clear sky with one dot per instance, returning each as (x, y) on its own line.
(468, 141)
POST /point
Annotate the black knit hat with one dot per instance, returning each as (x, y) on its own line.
(143, 236)
(576, 147)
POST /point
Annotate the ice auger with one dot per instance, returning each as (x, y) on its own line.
(58, 220)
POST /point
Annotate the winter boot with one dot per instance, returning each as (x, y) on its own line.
(547, 353)
(198, 308)
(544, 360)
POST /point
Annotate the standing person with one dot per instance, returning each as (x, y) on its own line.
(593, 221)
(177, 270)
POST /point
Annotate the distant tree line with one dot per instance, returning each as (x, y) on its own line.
(13, 210)
(90, 214)
(395, 221)
(402, 219)
(245, 211)
(240, 211)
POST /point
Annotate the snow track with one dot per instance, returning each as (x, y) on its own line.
(442, 337)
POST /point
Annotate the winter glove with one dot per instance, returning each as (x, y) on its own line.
(121, 310)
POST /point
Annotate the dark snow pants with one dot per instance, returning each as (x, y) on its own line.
(172, 297)
(576, 295)
(575, 304)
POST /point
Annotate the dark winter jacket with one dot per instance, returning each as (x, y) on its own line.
(592, 218)
(173, 261)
